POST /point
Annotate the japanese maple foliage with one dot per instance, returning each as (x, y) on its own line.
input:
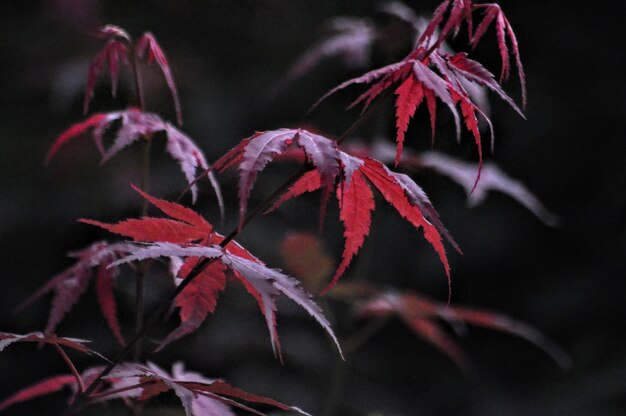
(190, 236)
(201, 260)
(420, 314)
(70, 285)
(119, 49)
(417, 81)
(199, 395)
(136, 125)
(353, 192)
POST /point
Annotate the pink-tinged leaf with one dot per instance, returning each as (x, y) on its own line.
(190, 158)
(503, 323)
(134, 126)
(105, 280)
(254, 153)
(493, 179)
(410, 95)
(438, 86)
(455, 17)
(504, 52)
(474, 71)
(112, 31)
(421, 315)
(148, 43)
(199, 395)
(356, 203)
(433, 334)
(375, 90)
(264, 284)
(198, 299)
(162, 249)
(418, 197)
(115, 51)
(324, 155)
(363, 79)
(47, 386)
(392, 191)
(492, 12)
(411, 309)
(74, 131)
(518, 62)
(69, 285)
(428, 32)
(7, 338)
(351, 40)
(268, 283)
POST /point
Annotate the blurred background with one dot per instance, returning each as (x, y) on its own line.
(230, 60)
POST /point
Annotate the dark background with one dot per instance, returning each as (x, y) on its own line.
(227, 56)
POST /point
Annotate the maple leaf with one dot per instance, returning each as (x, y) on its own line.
(493, 179)
(117, 50)
(264, 283)
(46, 386)
(351, 39)
(199, 395)
(356, 203)
(503, 30)
(149, 43)
(176, 237)
(69, 285)
(52, 385)
(7, 338)
(419, 83)
(255, 152)
(420, 314)
(136, 125)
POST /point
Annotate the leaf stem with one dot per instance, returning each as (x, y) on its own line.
(70, 364)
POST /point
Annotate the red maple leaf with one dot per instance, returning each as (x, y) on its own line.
(198, 394)
(493, 178)
(117, 50)
(136, 125)
(421, 314)
(69, 285)
(254, 153)
(52, 385)
(149, 43)
(503, 30)
(418, 82)
(47, 386)
(356, 203)
(191, 236)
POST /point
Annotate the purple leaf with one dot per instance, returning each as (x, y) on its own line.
(155, 53)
